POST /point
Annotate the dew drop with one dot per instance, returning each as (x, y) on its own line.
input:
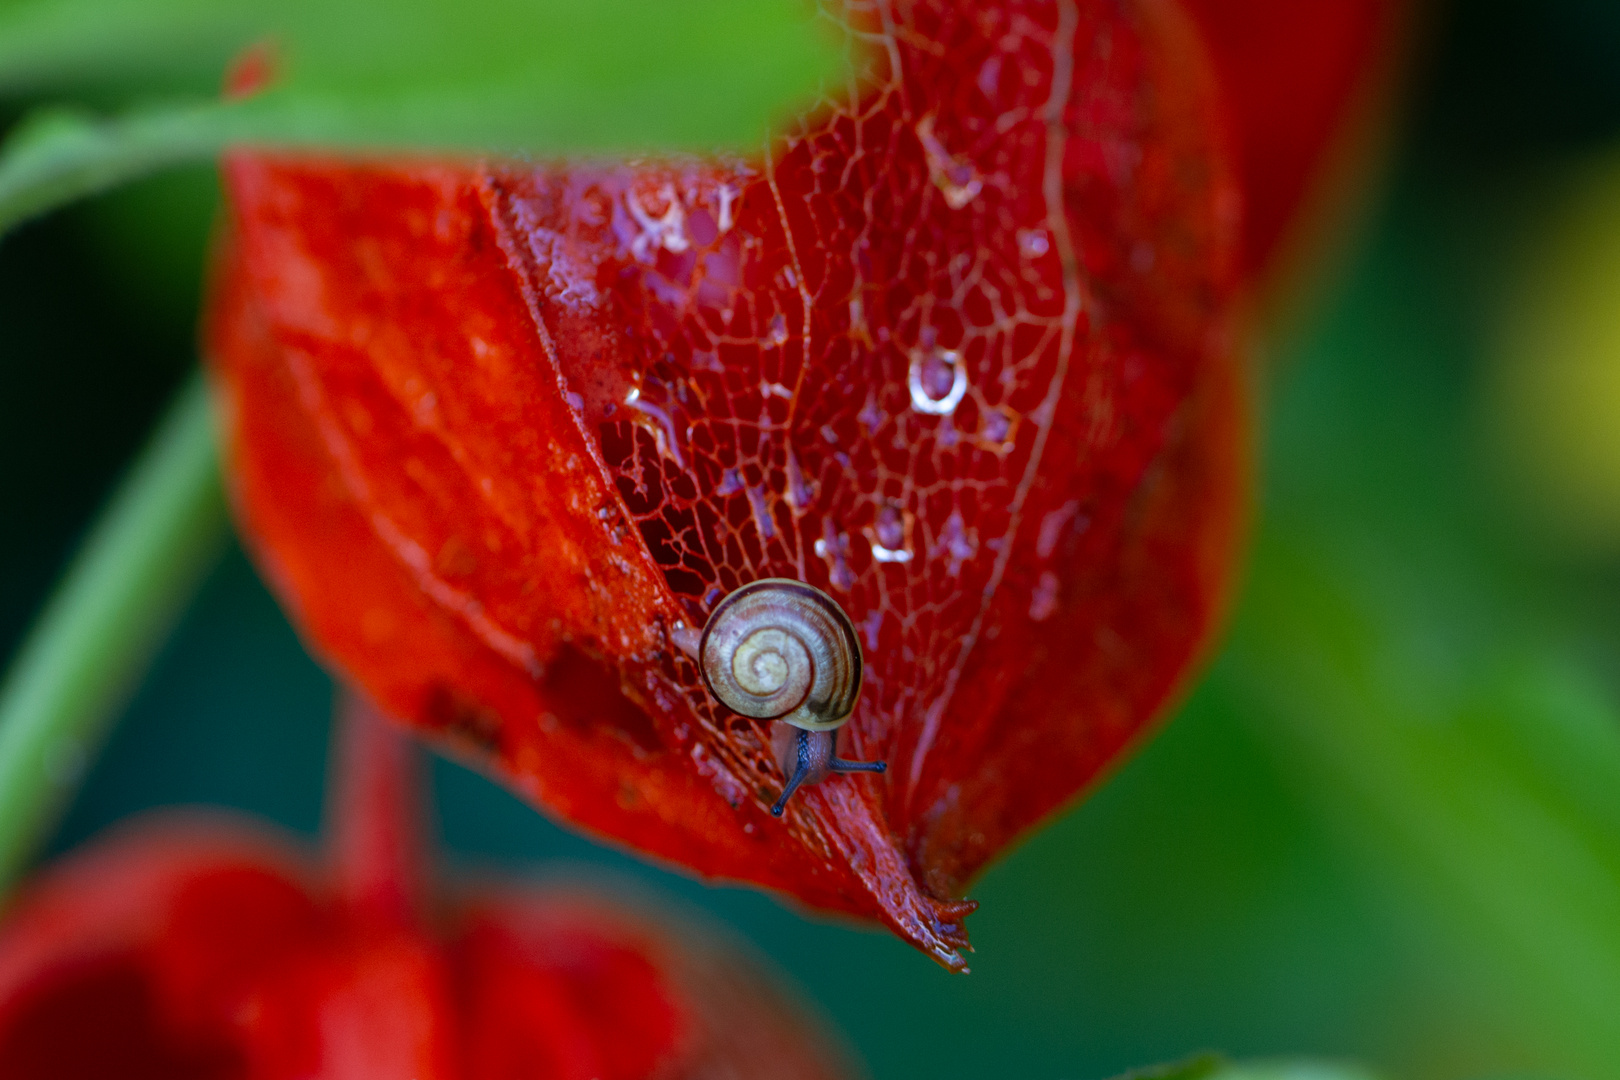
(728, 197)
(1052, 527)
(990, 77)
(777, 332)
(895, 555)
(1043, 599)
(937, 380)
(1033, 243)
(762, 513)
(957, 542)
(996, 426)
(667, 230)
(871, 627)
(956, 178)
(888, 536)
(870, 417)
(799, 494)
(662, 426)
(832, 546)
(891, 527)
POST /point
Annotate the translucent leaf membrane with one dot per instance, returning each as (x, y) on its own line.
(957, 350)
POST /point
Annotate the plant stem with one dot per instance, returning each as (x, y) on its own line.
(378, 807)
(134, 574)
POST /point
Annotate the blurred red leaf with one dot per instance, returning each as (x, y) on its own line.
(1295, 76)
(190, 948)
(959, 352)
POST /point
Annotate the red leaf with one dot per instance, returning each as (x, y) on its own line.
(1300, 81)
(195, 949)
(958, 353)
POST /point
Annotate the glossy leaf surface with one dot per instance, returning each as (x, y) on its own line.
(957, 350)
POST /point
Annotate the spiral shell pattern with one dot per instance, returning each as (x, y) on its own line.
(778, 649)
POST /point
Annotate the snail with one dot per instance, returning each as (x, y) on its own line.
(778, 649)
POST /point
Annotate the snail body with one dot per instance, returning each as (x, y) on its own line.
(778, 649)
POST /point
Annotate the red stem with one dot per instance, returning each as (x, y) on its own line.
(376, 812)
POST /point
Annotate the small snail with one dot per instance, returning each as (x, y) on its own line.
(778, 649)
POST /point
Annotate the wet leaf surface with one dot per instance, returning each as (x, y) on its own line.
(957, 351)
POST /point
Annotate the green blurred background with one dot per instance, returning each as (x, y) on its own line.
(1385, 827)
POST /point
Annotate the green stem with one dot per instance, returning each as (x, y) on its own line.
(57, 156)
(136, 571)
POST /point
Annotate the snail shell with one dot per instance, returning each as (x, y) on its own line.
(778, 649)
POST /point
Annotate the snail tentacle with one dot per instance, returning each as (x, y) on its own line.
(815, 757)
(800, 772)
(844, 765)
